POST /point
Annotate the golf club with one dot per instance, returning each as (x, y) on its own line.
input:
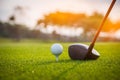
(82, 51)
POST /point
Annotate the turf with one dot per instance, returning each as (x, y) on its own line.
(34, 61)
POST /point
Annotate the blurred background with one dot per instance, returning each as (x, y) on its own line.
(58, 20)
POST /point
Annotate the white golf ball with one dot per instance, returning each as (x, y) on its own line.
(56, 49)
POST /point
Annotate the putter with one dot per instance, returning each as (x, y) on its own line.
(84, 52)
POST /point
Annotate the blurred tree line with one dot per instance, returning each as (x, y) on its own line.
(18, 32)
(89, 24)
(77, 20)
(82, 20)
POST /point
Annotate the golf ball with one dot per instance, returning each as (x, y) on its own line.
(56, 49)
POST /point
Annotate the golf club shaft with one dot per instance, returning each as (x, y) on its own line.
(100, 28)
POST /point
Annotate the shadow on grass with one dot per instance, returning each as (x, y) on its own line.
(63, 61)
(77, 62)
(51, 62)
(69, 69)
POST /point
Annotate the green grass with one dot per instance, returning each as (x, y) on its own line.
(34, 61)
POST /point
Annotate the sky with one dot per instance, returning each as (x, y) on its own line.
(36, 9)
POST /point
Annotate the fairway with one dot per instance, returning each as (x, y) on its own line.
(34, 61)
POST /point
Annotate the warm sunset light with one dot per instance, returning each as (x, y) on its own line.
(66, 17)
(35, 9)
(59, 39)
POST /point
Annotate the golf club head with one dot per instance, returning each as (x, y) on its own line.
(79, 51)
